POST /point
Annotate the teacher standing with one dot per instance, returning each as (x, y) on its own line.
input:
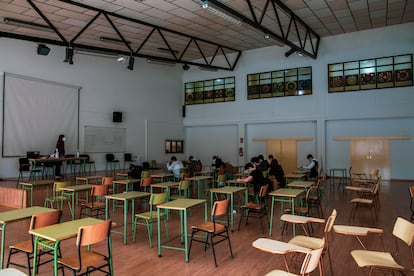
(60, 146)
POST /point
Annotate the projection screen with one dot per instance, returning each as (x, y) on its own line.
(35, 112)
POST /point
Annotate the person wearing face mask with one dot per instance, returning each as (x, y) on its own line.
(60, 146)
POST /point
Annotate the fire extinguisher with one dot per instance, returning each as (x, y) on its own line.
(240, 151)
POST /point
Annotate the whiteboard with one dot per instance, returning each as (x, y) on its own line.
(104, 139)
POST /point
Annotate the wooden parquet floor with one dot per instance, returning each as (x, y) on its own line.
(136, 258)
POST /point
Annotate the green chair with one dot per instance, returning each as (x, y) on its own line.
(183, 190)
(145, 174)
(149, 218)
(58, 196)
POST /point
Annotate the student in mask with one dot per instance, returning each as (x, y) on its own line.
(60, 146)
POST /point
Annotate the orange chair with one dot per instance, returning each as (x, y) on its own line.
(26, 247)
(96, 206)
(256, 208)
(145, 182)
(87, 259)
(212, 229)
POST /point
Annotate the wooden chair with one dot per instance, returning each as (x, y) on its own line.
(309, 264)
(301, 220)
(145, 182)
(85, 259)
(96, 205)
(368, 198)
(372, 260)
(260, 209)
(212, 229)
(26, 247)
(314, 243)
(149, 218)
(145, 174)
(58, 197)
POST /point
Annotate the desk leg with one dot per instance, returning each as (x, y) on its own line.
(271, 216)
(159, 232)
(125, 220)
(3, 234)
(181, 226)
(73, 205)
(293, 212)
(232, 212)
(185, 235)
(106, 208)
(35, 246)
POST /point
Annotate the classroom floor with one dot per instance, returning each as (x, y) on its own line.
(136, 258)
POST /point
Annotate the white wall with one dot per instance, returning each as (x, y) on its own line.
(149, 93)
(325, 109)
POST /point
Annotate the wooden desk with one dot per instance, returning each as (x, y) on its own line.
(237, 183)
(229, 191)
(162, 177)
(199, 180)
(295, 176)
(125, 182)
(57, 233)
(358, 231)
(181, 205)
(29, 186)
(13, 216)
(87, 179)
(73, 191)
(164, 185)
(301, 184)
(283, 195)
(125, 197)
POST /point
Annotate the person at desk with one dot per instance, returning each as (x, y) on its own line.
(175, 166)
(255, 177)
(277, 171)
(135, 172)
(60, 148)
(312, 166)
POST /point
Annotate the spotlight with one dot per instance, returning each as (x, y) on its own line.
(131, 63)
(69, 55)
(122, 59)
(288, 53)
(186, 67)
(266, 36)
(43, 50)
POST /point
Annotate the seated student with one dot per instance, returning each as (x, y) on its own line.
(217, 162)
(192, 164)
(262, 165)
(312, 166)
(175, 166)
(277, 171)
(255, 177)
(135, 172)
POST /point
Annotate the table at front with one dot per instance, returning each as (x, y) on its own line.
(29, 186)
(237, 183)
(13, 216)
(125, 182)
(73, 191)
(181, 205)
(57, 233)
(161, 177)
(125, 197)
(229, 190)
(87, 179)
(284, 195)
(199, 180)
(68, 160)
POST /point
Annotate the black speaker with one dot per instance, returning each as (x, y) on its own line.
(43, 50)
(117, 117)
(183, 110)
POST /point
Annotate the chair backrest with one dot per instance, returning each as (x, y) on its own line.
(404, 230)
(107, 180)
(263, 191)
(185, 175)
(184, 185)
(373, 173)
(24, 163)
(199, 167)
(85, 156)
(45, 219)
(109, 157)
(158, 198)
(92, 234)
(127, 157)
(58, 185)
(330, 222)
(220, 208)
(311, 261)
(145, 174)
(221, 178)
(99, 190)
(146, 181)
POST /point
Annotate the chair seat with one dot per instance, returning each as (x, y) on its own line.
(362, 200)
(89, 258)
(279, 273)
(365, 258)
(147, 215)
(356, 230)
(208, 226)
(308, 242)
(93, 205)
(252, 205)
(277, 247)
(25, 246)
